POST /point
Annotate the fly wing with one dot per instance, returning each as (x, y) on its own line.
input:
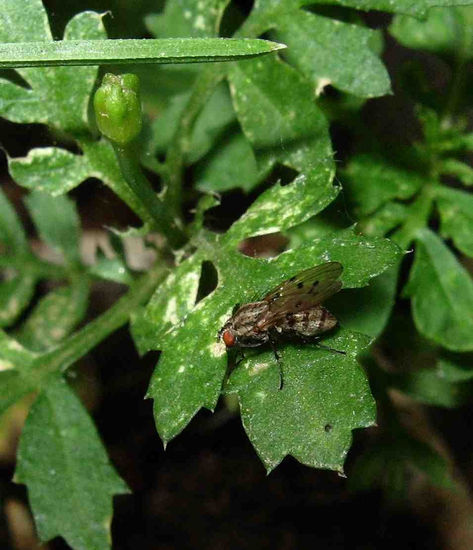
(305, 290)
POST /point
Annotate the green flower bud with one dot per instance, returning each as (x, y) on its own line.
(118, 107)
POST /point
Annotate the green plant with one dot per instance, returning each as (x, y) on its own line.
(237, 124)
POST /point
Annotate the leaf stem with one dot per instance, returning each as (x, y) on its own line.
(201, 92)
(163, 220)
(80, 343)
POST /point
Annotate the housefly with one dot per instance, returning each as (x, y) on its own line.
(292, 309)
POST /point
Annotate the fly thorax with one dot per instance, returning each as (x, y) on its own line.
(247, 316)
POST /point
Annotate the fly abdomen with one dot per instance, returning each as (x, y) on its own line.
(309, 322)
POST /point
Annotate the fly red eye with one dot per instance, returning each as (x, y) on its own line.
(228, 338)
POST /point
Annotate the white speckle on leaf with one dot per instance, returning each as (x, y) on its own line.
(217, 349)
(58, 333)
(321, 84)
(257, 368)
(182, 368)
(170, 315)
(13, 345)
(199, 22)
(5, 365)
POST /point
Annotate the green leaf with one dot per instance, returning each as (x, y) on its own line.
(111, 269)
(325, 396)
(57, 222)
(384, 220)
(12, 234)
(192, 366)
(328, 51)
(327, 222)
(55, 316)
(164, 311)
(281, 207)
(49, 169)
(458, 169)
(275, 109)
(111, 52)
(428, 386)
(230, 166)
(372, 180)
(367, 310)
(32, 369)
(15, 361)
(23, 21)
(441, 291)
(14, 387)
(52, 90)
(446, 31)
(16, 288)
(66, 469)
(455, 367)
(215, 117)
(418, 8)
(187, 18)
(206, 202)
(57, 171)
(456, 214)
(389, 462)
(15, 295)
(191, 19)
(103, 165)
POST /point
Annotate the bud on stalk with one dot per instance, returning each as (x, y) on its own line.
(117, 107)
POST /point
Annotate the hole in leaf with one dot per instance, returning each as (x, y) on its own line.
(284, 174)
(208, 281)
(264, 246)
(328, 428)
(233, 17)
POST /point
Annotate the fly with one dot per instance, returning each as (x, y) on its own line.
(292, 309)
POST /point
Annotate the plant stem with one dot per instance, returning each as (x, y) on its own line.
(80, 343)
(164, 221)
(202, 90)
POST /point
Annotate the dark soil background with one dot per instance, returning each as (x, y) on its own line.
(209, 489)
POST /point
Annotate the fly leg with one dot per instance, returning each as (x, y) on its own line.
(329, 348)
(277, 356)
(241, 359)
(311, 340)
